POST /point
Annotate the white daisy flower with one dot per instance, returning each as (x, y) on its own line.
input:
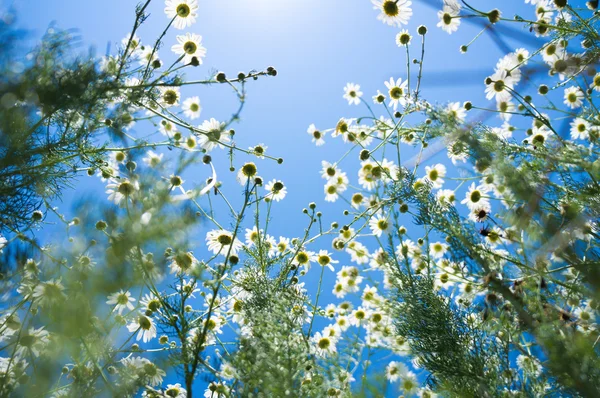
(213, 135)
(219, 241)
(396, 92)
(456, 111)
(216, 390)
(192, 108)
(282, 246)
(167, 128)
(32, 342)
(395, 370)
(435, 175)
(317, 135)
(529, 365)
(183, 263)
(352, 93)
(3, 243)
(380, 98)
(144, 326)
(277, 190)
(445, 197)
(147, 55)
(379, 225)
(580, 129)
(258, 150)
(332, 191)
(323, 345)
(121, 300)
(169, 96)
(152, 159)
(437, 249)
(121, 190)
(449, 19)
(247, 173)
(359, 253)
(175, 391)
(573, 97)
(403, 39)
(189, 46)
(596, 82)
(393, 12)
(183, 12)
(409, 383)
(499, 86)
(475, 196)
(506, 109)
(324, 259)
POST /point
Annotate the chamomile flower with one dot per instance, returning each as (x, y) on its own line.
(402, 40)
(183, 263)
(379, 225)
(324, 259)
(152, 159)
(183, 12)
(144, 326)
(475, 196)
(499, 86)
(393, 12)
(445, 197)
(395, 370)
(506, 109)
(409, 383)
(332, 191)
(147, 56)
(32, 341)
(277, 190)
(153, 373)
(324, 345)
(216, 390)
(151, 303)
(3, 243)
(192, 108)
(359, 253)
(449, 19)
(121, 190)
(175, 391)
(396, 92)
(380, 98)
(580, 129)
(435, 175)
(457, 152)
(352, 93)
(247, 173)
(596, 82)
(437, 249)
(220, 241)
(480, 212)
(252, 236)
(529, 365)
(282, 246)
(258, 150)
(573, 97)
(121, 300)
(189, 46)
(167, 128)
(213, 135)
(456, 111)
(169, 96)
(317, 135)
(303, 258)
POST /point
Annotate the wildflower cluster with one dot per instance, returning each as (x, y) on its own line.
(466, 264)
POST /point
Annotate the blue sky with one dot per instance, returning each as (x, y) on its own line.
(317, 47)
